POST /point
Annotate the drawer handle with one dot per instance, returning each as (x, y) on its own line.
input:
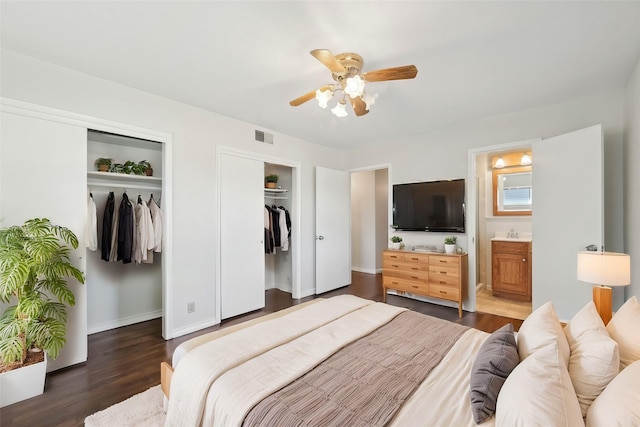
(395, 283)
(394, 256)
(524, 260)
(394, 265)
(442, 282)
(443, 260)
(415, 259)
(415, 268)
(443, 292)
(414, 286)
(415, 277)
(443, 272)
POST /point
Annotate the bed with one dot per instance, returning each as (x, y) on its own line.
(351, 361)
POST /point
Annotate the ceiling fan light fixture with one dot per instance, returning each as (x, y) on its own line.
(340, 110)
(354, 86)
(369, 100)
(323, 97)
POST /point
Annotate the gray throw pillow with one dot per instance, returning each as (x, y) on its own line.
(497, 357)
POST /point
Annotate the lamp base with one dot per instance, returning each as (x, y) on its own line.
(602, 300)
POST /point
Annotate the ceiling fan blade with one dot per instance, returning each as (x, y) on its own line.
(359, 106)
(329, 61)
(396, 73)
(307, 96)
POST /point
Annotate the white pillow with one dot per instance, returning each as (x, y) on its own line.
(624, 328)
(539, 329)
(538, 392)
(619, 403)
(594, 359)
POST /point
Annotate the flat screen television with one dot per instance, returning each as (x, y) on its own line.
(429, 206)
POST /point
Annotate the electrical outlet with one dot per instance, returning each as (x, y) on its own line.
(191, 307)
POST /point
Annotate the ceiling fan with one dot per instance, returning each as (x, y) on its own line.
(346, 71)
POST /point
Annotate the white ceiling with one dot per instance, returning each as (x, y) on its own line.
(247, 60)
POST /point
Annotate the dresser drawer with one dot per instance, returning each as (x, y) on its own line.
(443, 280)
(444, 292)
(405, 285)
(444, 270)
(404, 266)
(393, 256)
(417, 258)
(452, 261)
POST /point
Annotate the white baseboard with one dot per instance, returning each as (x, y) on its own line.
(125, 321)
(194, 328)
(307, 293)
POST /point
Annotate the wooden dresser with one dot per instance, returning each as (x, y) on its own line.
(433, 275)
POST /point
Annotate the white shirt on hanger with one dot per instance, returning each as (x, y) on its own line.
(91, 232)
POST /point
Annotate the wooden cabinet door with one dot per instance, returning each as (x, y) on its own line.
(511, 275)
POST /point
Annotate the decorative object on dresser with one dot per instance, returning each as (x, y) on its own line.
(511, 269)
(450, 244)
(443, 276)
(396, 242)
(604, 269)
(34, 264)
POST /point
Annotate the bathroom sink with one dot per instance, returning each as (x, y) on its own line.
(507, 236)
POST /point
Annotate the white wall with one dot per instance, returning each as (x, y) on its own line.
(195, 135)
(363, 221)
(632, 179)
(442, 154)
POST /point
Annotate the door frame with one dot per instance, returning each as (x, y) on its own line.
(295, 205)
(472, 209)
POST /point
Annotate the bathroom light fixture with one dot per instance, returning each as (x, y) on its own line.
(499, 162)
(525, 160)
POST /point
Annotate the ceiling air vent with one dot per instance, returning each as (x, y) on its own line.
(261, 136)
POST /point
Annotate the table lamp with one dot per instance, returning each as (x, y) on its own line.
(604, 269)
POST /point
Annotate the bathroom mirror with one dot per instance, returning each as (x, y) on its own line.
(512, 191)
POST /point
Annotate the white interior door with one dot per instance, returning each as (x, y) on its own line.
(568, 215)
(333, 229)
(241, 235)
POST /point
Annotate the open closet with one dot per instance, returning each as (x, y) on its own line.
(278, 266)
(250, 260)
(124, 258)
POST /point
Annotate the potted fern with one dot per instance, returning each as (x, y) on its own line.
(270, 181)
(34, 268)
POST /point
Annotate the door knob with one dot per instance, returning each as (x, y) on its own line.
(320, 237)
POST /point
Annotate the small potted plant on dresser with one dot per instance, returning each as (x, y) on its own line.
(103, 164)
(34, 267)
(270, 181)
(396, 242)
(450, 244)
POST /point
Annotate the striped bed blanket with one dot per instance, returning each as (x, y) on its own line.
(341, 361)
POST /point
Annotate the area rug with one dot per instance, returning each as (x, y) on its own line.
(142, 410)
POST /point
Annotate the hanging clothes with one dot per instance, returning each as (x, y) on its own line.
(113, 256)
(288, 220)
(275, 226)
(268, 234)
(284, 231)
(107, 222)
(157, 218)
(91, 226)
(125, 230)
(145, 240)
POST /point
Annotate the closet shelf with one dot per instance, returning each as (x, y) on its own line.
(108, 179)
(275, 193)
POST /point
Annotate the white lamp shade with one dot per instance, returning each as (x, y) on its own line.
(604, 268)
(354, 86)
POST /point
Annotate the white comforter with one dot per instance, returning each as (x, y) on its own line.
(219, 381)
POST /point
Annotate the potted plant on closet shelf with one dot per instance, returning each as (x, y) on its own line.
(396, 242)
(103, 164)
(450, 244)
(147, 169)
(34, 268)
(271, 181)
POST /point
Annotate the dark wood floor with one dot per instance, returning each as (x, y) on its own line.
(126, 361)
